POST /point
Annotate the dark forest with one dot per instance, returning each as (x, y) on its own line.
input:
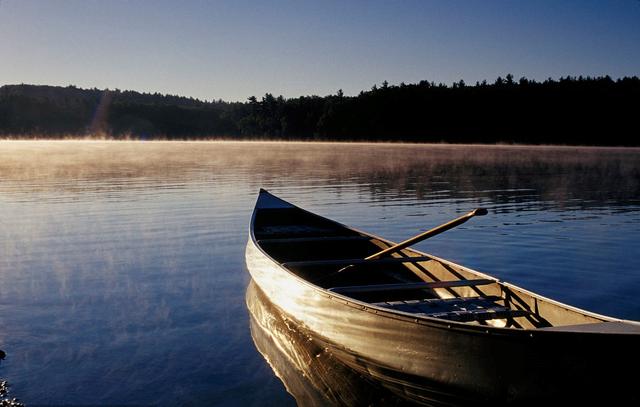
(571, 110)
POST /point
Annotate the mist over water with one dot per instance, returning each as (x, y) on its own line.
(122, 276)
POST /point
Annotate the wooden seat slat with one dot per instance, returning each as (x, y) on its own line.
(346, 262)
(409, 286)
(313, 239)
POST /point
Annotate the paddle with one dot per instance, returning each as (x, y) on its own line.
(429, 233)
(418, 238)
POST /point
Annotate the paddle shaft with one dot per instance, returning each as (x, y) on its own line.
(429, 233)
(418, 238)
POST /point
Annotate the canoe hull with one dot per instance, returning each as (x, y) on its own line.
(309, 371)
(504, 365)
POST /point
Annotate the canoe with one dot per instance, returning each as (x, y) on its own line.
(426, 323)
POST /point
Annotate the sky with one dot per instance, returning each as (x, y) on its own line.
(231, 50)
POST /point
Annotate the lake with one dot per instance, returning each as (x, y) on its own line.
(123, 280)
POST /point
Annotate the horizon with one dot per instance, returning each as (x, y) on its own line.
(391, 85)
(234, 50)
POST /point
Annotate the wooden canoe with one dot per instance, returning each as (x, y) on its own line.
(424, 322)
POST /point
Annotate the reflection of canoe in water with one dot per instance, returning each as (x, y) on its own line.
(427, 321)
(309, 372)
(314, 376)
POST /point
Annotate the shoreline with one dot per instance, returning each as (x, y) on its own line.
(316, 142)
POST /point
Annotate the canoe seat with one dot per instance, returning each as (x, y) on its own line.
(358, 289)
(346, 262)
(462, 309)
(320, 239)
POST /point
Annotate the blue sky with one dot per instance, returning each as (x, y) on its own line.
(234, 49)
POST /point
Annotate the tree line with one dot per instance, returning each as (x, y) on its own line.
(570, 110)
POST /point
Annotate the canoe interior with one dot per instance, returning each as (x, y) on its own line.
(318, 250)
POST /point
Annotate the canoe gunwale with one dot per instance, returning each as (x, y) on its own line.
(432, 322)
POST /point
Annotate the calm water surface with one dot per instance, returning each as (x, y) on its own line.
(122, 276)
